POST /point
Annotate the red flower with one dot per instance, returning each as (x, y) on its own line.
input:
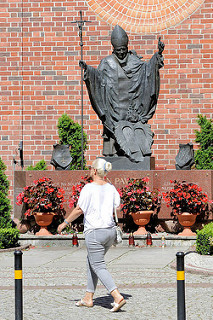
(42, 197)
(76, 189)
(185, 197)
(137, 196)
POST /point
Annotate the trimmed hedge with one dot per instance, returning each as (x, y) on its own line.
(8, 238)
(203, 245)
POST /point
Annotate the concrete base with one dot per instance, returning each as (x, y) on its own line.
(66, 240)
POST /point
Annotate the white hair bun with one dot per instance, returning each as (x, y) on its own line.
(108, 166)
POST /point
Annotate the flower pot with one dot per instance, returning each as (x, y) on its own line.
(43, 220)
(187, 220)
(141, 218)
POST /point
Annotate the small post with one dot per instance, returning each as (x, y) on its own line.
(18, 285)
(181, 308)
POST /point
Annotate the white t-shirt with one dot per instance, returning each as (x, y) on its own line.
(97, 203)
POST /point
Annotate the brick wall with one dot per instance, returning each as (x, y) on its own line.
(30, 109)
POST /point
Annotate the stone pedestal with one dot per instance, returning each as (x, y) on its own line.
(123, 163)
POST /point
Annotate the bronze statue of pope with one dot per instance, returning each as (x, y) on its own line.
(123, 91)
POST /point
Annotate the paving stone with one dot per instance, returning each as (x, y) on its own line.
(55, 278)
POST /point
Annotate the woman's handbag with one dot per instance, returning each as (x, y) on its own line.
(119, 232)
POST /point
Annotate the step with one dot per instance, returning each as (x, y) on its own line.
(171, 240)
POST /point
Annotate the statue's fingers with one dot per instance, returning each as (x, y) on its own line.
(159, 39)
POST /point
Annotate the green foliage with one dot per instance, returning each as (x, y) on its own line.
(41, 165)
(5, 208)
(203, 239)
(70, 133)
(204, 156)
(8, 238)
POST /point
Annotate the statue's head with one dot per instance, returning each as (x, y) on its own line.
(119, 40)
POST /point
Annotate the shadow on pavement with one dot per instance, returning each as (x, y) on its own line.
(106, 301)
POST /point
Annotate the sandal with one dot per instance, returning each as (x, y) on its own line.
(117, 306)
(82, 303)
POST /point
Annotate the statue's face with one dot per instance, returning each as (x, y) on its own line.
(120, 52)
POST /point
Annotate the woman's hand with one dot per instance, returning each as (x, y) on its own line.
(72, 216)
(61, 227)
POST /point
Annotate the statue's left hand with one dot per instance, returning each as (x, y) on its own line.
(83, 64)
(161, 46)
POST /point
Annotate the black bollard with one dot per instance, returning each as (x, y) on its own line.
(18, 286)
(181, 308)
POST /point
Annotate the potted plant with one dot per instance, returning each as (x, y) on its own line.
(138, 201)
(187, 201)
(76, 189)
(43, 200)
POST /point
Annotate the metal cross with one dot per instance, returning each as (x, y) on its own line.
(80, 24)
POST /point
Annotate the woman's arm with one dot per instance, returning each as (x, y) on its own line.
(72, 216)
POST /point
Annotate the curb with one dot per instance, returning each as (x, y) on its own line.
(26, 246)
(194, 268)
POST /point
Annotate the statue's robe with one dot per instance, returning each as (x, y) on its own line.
(124, 95)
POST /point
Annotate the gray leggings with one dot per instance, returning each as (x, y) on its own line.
(98, 243)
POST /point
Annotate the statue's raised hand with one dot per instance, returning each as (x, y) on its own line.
(161, 46)
(83, 64)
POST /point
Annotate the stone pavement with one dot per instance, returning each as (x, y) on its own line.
(54, 278)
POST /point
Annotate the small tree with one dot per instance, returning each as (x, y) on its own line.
(41, 165)
(70, 133)
(5, 207)
(204, 156)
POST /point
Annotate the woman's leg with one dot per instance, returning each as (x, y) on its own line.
(92, 278)
(98, 242)
(92, 281)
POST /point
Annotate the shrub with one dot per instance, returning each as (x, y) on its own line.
(203, 239)
(5, 208)
(41, 165)
(8, 235)
(8, 238)
(204, 156)
(70, 133)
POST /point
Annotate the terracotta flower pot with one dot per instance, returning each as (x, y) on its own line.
(141, 218)
(187, 220)
(43, 220)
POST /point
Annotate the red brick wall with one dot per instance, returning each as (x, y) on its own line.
(51, 77)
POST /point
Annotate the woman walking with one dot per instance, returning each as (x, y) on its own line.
(97, 201)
